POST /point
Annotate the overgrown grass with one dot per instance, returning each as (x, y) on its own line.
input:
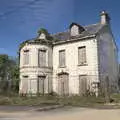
(51, 100)
(17, 100)
(116, 97)
(46, 100)
(81, 101)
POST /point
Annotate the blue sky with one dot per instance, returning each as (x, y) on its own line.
(20, 19)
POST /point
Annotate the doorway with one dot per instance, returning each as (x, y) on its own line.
(82, 84)
(41, 84)
(63, 84)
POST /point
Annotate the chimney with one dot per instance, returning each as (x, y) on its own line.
(105, 19)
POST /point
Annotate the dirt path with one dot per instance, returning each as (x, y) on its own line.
(63, 114)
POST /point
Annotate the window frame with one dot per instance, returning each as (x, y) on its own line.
(25, 76)
(84, 62)
(83, 76)
(64, 65)
(24, 57)
(45, 51)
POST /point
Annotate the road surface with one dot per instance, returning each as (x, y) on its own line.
(67, 113)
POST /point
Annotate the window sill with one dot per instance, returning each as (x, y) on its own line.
(42, 66)
(35, 67)
(62, 67)
(25, 65)
(83, 64)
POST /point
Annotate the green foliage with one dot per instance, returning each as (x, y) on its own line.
(9, 74)
(4, 63)
(116, 97)
(22, 44)
(15, 78)
(52, 100)
(42, 30)
(81, 100)
(56, 40)
(48, 37)
(5, 101)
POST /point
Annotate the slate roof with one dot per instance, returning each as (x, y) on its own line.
(65, 36)
(89, 30)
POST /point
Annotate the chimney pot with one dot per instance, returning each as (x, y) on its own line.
(105, 19)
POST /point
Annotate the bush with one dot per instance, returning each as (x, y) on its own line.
(5, 101)
(116, 97)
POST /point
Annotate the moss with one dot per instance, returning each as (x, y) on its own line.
(48, 36)
(23, 44)
(42, 30)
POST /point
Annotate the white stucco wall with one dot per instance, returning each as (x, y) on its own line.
(72, 68)
(101, 56)
(33, 71)
(33, 57)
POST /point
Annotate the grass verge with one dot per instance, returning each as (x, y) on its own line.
(52, 100)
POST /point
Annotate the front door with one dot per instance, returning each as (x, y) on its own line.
(82, 84)
(63, 84)
(40, 85)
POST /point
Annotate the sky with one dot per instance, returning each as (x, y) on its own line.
(20, 19)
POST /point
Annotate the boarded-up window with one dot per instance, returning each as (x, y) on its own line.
(63, 84)
(26, 57)
(81, 55)
(24, 82)
(40, 84)
(62, 58)
(42, 58)
(82, 84)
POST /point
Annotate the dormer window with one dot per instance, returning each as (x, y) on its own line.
(42, 36)
(76, 29)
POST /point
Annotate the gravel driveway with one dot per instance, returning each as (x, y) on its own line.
(67, 113)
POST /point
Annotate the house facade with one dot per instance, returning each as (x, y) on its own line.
(73, 62)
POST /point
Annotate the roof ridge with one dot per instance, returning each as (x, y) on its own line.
(92, 25)
(60, 32)
(67, 30)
